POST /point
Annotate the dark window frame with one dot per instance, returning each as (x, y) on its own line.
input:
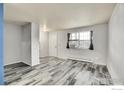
(78, 39)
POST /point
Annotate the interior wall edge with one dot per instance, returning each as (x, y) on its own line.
(114, 76)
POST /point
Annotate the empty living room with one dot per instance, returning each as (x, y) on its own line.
(63, 44)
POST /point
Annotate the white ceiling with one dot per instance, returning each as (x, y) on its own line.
(59, 16)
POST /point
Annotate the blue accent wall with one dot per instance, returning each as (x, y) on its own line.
(1, 45)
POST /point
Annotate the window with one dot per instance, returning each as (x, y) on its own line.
(81, 40)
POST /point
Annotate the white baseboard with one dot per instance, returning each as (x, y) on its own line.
(87, 60)
(80, 59)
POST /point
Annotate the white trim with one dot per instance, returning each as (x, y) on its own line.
(80, 59)
(85, 59)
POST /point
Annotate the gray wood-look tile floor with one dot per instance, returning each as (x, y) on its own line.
(56, 71)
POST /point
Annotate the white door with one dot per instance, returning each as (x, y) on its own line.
(53, 44)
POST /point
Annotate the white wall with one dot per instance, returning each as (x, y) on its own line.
(44, 43)
(98, 55)
(26, 44)
(12, 44)
(53, 47)
(30, 44)
(35, 44)
(21, 44)
(116, 44)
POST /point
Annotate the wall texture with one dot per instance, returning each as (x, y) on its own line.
(26, 44)
(35, 44)
(98, 55)
(53, 44)
(116, 44)
(12, 44)
(44, 43)
(21, 44)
